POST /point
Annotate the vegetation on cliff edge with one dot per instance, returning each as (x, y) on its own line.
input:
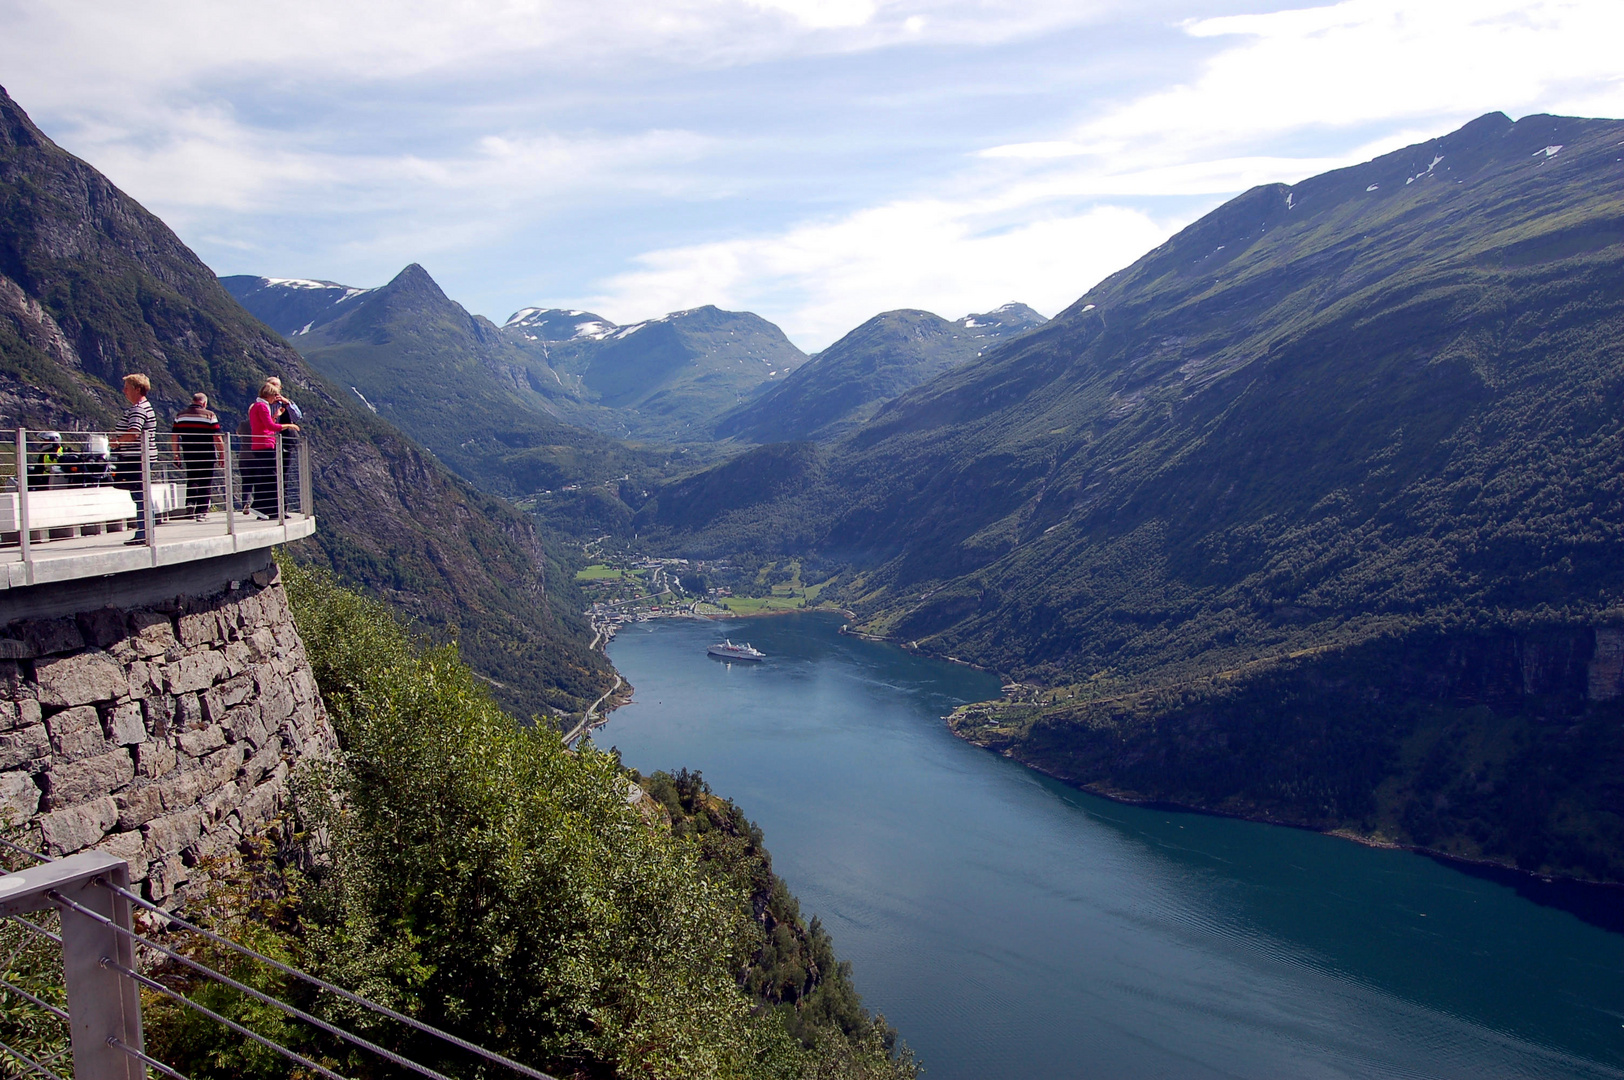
(481, 877)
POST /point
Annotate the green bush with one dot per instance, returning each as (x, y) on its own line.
(479, 876)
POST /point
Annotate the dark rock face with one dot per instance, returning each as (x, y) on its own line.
(92, 287)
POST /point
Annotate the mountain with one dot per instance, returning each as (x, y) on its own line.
(290, 306)
(452, 380)
(416, 356)
(1313, 513)
(92, 286)
(846, 383)
(667, 378)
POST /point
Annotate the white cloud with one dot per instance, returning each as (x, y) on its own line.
(179, 102)
(821, 279)
(1413, 69)
(1379, 61)
(822, 14)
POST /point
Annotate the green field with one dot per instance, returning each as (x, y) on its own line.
(600, 572)
(756, 605)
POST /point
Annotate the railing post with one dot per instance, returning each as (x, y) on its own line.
(103, 1005)
(22, 502)
(149, 519)
(231, 499)
(307, 501)
(281, 503)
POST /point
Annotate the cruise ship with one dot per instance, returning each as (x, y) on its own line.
(729, 651)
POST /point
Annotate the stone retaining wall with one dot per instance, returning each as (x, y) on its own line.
(161, 734)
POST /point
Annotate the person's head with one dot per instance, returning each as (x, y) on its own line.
(200, 399)
(275, 381)
(270, 389)
(136, 387)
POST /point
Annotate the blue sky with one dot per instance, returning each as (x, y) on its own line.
(815, 161)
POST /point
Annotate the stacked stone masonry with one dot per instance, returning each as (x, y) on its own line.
(162, 735)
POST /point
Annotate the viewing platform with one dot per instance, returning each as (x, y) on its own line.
(76, 509)
(176, 542)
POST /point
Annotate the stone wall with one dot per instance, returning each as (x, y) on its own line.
(161, 733)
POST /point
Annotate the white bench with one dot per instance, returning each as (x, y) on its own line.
(64, 509)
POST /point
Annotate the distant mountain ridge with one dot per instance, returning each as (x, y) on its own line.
(1336, 450)
(290, 306)
(661, 379)
(492, 413)
(845, 384)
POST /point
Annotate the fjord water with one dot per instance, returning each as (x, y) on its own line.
(1010, 926)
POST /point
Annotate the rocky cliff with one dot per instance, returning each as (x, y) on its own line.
(161, 733)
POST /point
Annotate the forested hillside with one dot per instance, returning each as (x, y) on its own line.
(1381, 404)
(492, 413)
(846, 383)
(484, 879)
(92, 287)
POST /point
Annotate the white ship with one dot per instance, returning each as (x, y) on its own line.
(729, 651)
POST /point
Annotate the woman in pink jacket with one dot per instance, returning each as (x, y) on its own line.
(259, 458)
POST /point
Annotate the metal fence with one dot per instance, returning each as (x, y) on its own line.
(87, 897)
(69, 485)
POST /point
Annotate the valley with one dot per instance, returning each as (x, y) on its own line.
(1125, 505)
(1319, 452)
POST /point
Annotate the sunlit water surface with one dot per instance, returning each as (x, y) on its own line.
(1012, 927)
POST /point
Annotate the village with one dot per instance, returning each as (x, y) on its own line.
(624, 588)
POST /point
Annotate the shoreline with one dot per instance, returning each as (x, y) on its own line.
(1599, 903)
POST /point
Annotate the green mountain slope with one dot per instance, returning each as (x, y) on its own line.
(451, 380)
(667, 378)
(93, 286)
(501, 404)
(846, 383)
(1381, 405)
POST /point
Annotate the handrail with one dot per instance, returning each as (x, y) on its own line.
(262, 998)
(99, 935)
(71, 495)
(23, 533)
(323, 984)
(32, 1065)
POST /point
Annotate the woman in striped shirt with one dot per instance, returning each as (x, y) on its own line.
(133, 445)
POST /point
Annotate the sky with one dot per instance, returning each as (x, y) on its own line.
(813, 161)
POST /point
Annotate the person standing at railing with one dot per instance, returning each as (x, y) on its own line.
(132, 446)
(285, 412)
(198, 446)
(259, 460)
(46, 469)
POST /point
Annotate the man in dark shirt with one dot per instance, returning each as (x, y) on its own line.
(132, 446)
(198, 446)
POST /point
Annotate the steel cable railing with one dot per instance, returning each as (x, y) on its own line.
(30, 1064)
(69, 485)
(263, 998)
(120, 895)
(149, 1062)
(175, 995)
(60, 1014)
(322, 984)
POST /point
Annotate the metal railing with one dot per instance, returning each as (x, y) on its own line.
(68, 485)
(90, 896)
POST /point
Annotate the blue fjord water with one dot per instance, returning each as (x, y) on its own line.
(1010, 926)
